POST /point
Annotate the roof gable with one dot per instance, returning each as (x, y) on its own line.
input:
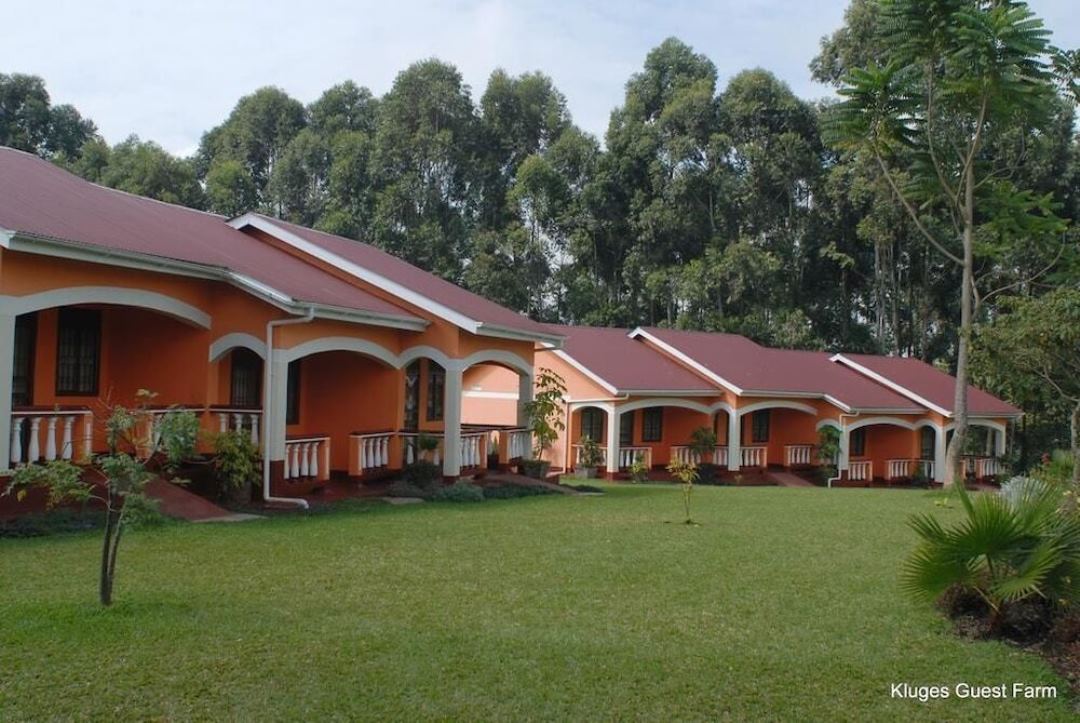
(45, 209)
(924, 383)
(401, 279)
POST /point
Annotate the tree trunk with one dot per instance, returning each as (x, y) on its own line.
(107, 553)
(953, 471)
(1075, 440)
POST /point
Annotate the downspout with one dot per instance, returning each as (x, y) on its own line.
(843, 430)
(268, 378)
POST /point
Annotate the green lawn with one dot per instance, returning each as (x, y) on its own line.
(783, 604)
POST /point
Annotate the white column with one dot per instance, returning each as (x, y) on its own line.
(939, 453)
(734, 446)
(525, 395)
(843, 458)
(274, 424)
(452, 420)
(7, 371)
(999, 442)
(613, 417)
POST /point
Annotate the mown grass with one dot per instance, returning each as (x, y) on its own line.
(783, 604)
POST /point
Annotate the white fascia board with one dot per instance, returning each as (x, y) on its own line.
(5, 238)
(688, 361)
(890, 384)
(76, 251)
(551, 341)
(585, 370)
(670, 392)
(314, 250)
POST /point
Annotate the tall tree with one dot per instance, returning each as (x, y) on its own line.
(423, 166)
(955, 74)
(29, 121)
(255, 134)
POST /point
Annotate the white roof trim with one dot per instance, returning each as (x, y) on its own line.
(690, 362)
(79, 251)
(890, 384)
(404, 293)
(608, 386)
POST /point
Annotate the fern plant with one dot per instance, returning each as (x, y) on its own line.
(1011, 546)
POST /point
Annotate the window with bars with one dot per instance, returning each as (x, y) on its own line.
(22, 380)
(592, 424)
(858, 442)
(245, 379)
(78, 352)
(626, 429)
(759, 426)
(292, 394)
(926, 443)
(652, 424)
(436, 389)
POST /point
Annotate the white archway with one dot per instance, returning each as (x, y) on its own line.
(499, 356)
(893, 421)
(337, 343)
(112, 295)
(776, 404)
(222, 346)
(664, 402)
(419, 352)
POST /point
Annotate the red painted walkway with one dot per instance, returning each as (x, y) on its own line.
(178, 502)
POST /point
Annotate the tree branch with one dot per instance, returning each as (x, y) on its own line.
(914, 214)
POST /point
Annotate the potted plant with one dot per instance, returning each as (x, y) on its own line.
(639, 471)
(545, 421)
(703, 446)
(591, 457)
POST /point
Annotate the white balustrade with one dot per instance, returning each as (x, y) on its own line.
(926, 468)
(519, 444)
(58, 428)
(755, 456)
(861, 471)
(899, 468)
(798, 455)
(579, 452)
(308, 457)
(684, 454)
(629, 455)
(472, 449)
(371, 451)
(988, 467)
(239, 420)
(410, 443)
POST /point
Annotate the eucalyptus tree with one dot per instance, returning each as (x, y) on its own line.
(255, 134)
(30, 122)
(954, 75)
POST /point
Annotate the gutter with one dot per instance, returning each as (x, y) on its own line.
(268, 395)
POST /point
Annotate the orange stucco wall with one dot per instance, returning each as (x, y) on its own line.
(489, 379)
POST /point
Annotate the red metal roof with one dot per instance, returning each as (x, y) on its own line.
(40, 199)
(752, 368)
(430, 286)
(628, 364)
(930, 383)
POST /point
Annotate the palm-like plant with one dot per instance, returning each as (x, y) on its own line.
(1011, 546)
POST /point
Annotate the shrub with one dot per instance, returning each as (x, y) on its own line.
(402, 488)
(1016, 545)
(639, 471)
(422, 474)
(236, 462)
(591, 456)
(687, 475)
(708, 474)
(509, 491)
(459, 492)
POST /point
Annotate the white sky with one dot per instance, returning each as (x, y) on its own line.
(170, 72)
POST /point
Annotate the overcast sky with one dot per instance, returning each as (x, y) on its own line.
(170, 72)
